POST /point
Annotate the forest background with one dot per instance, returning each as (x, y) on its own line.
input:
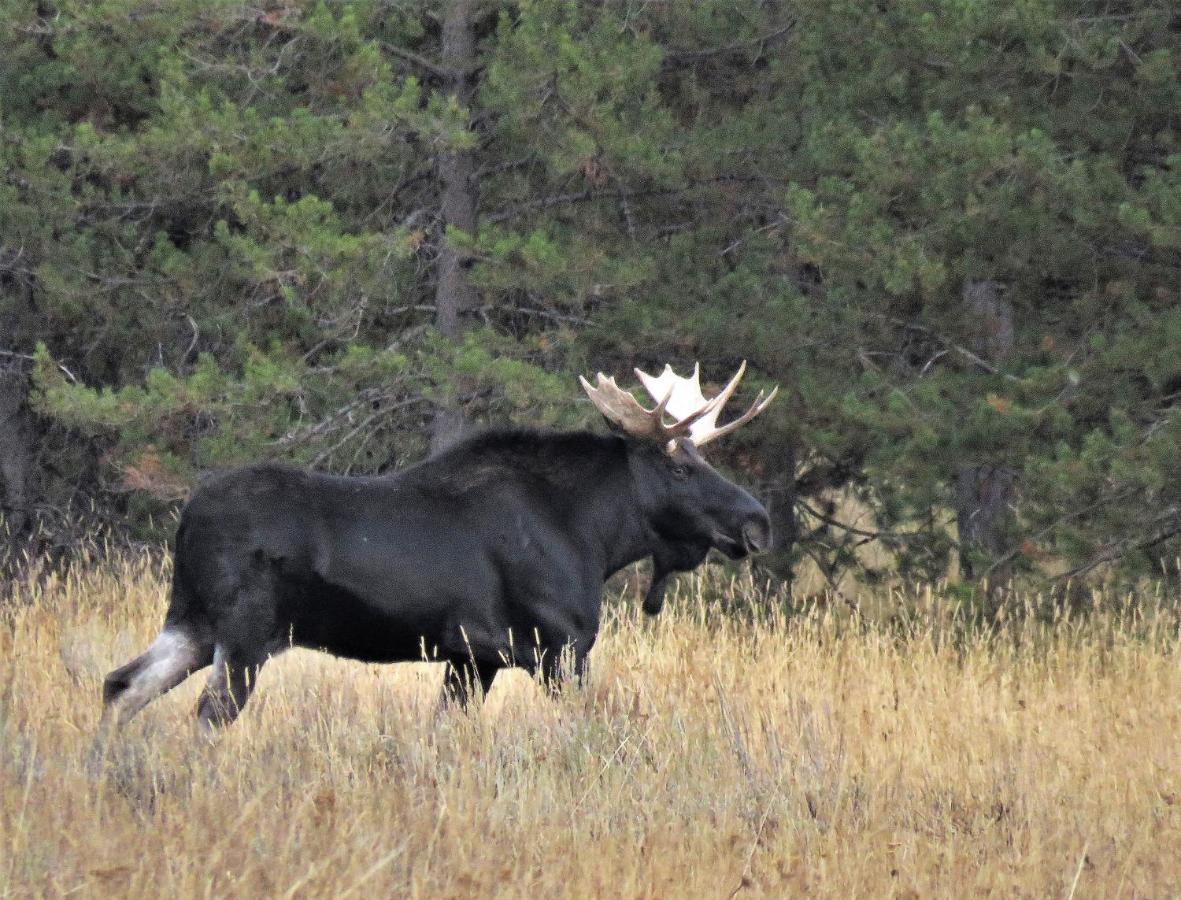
(339, 234)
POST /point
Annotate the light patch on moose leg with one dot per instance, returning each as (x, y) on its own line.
(172, 657)
(213, 704)
(231, 682)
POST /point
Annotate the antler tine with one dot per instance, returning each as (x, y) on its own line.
(757, 407)
(605, 399)
(728, 391)
(707, 413)
(658, 413)
(620, 407)
(678, 396)
(687, 391)
(681, 397)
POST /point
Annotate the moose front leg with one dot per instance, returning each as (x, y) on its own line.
(560, 664)
(557, 625)
(571, 667)
(467, 679)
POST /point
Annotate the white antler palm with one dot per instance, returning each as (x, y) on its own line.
(681, 398)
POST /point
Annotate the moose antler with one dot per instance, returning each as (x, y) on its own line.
(620, 407)
(686, 394)
(679, 397)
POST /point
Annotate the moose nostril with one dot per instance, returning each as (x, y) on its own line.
(757, 535)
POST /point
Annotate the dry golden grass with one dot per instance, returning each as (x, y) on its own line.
(760, 754)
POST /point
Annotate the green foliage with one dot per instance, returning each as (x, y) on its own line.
(222, 222)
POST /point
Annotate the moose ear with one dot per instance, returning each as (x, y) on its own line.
(618, 428)
(615, 428)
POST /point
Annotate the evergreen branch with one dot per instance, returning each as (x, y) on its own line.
(586, 196)
(360, 426)
(538, 313)
(1007, 558)
(26, 356)
(779, 221)
(827, 473)
(332, 422)
(851, 529)
(324, 454)
(412, 307)
(620, 194)
(196, 337)
(500, 168)
(431, 68)
(8, 263)
(961, 350)
(1119, 549)
(829, 579)
(543, 203)
(685, 55)
(972, 357)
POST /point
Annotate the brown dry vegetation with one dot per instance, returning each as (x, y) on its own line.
(758, 754)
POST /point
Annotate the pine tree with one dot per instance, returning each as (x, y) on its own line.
(324, 232)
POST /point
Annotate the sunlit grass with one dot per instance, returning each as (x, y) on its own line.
(735, 744)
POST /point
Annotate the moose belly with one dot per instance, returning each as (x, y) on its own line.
(321, 615)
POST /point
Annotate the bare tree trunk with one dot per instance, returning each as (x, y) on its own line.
(983, 492)
(16, 457)
(982, 514)
(455, 297)
(785, 530)
(19, 484)
(780, 496)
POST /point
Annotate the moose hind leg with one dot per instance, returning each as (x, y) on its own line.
(247, 633)
(230, 685)
(173, 656)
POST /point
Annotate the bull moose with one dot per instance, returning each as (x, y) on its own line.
(490, 554)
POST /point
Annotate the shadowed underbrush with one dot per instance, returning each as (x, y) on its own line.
(742, 743)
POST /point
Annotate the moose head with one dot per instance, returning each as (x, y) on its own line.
(687, 504)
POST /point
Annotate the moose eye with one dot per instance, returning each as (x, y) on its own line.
(680, 472)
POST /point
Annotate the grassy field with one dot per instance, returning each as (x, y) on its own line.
(889, 752)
